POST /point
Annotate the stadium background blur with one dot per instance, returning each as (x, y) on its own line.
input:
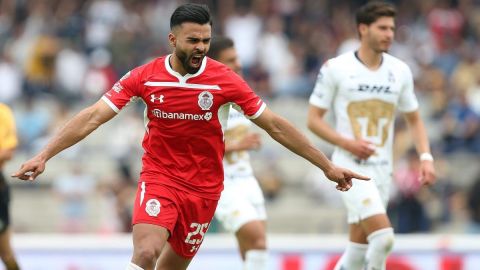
(57, 57)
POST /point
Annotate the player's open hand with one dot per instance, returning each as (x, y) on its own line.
(30, 169)
(343, 177)
(360, 148)
(427, 173)
(251, 141)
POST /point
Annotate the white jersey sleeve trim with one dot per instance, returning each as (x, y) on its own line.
(259, 112)
(110, 104)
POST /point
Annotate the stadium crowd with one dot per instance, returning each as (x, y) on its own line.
(57, 56)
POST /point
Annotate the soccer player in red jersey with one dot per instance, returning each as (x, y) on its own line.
(186, 96)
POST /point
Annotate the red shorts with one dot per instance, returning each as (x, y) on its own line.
(186, 216)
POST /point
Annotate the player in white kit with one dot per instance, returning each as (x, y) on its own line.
(241, 208)
(364, 89)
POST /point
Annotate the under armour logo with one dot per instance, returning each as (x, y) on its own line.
(153, 98)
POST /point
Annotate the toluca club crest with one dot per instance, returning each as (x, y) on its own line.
(205, 100)
(152, 207)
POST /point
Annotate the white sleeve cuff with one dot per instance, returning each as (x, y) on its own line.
(110, 104)
(259, 112)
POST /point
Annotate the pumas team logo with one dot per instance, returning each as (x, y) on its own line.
(152, 207)
(205, 100)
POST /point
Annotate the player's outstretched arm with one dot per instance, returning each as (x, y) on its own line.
(74, 131)
(287, 135)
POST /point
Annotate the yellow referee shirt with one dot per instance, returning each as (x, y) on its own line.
(8, 137)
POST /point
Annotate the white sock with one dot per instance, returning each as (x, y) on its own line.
(256, 259)
(353, 258)
(132, 266)
(380, 244)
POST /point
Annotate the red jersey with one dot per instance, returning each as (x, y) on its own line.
(185, 117)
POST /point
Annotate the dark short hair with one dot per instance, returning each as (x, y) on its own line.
(196, 13)
(370, 12)
(218, 44)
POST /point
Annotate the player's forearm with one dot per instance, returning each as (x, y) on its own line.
(287, 135)
(419, 133)
(74, 131)
(420, 137)
(323, 130)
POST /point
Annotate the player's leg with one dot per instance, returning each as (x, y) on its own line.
(377, 226)
(241, 210)
(365, 204)
(380, 240)
(148, 242)
(155, 214)
(353, 258)
(251, 239)
(170, 260)
(6, 252)
(188, 232)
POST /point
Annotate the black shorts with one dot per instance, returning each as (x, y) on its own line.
(4, 204)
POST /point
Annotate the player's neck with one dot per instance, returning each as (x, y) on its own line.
(176, 65)
(371, 59)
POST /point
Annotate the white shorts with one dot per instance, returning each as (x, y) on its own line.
(241, 202)
(366, 198)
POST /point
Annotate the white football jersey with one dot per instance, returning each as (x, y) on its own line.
(236, 164)
(364, 101)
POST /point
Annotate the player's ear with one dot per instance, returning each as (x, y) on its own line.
(362, 29)
(172, 39)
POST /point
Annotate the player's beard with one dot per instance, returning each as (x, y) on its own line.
(185, 60)
(377, 47)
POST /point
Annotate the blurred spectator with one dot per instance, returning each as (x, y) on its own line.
(276, 57)
(406, 208)
(100, 75)
(474, 207)
(467, 72)
(473, 96)
(40, 69)
(70, 69)
(245, 28)
(73, 190)
(33, 121)
(461, 126)
(102, 18)
(10, 78)
(446, 23)
(432, 83)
